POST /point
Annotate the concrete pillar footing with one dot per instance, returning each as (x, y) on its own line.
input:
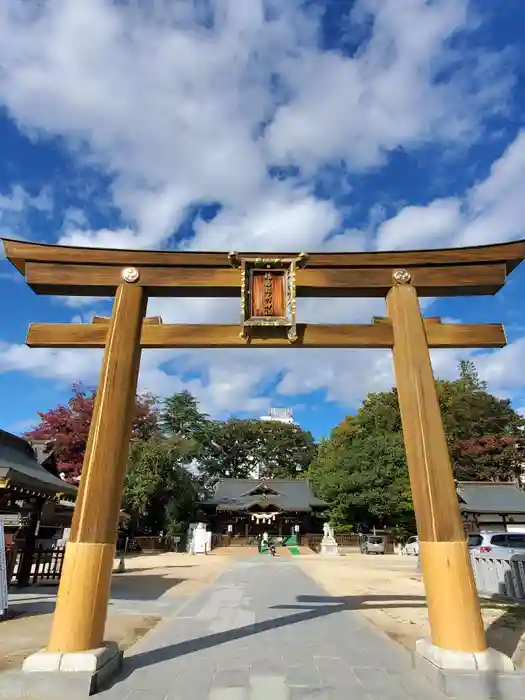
(479, 675)
(50, 675)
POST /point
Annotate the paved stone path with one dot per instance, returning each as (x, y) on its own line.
(265, 631)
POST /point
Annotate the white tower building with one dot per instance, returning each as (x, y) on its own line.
(283, 415)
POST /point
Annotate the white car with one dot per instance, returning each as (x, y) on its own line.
(495, 543)
(412, 546)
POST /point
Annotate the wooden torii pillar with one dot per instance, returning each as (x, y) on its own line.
(133, 276)
(452, 598)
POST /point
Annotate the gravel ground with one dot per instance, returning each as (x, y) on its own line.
(390, 593)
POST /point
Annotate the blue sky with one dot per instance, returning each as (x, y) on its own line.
(224, 124)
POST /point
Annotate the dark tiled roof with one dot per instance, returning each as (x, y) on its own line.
(490, 497)
(288, 494)
(19, 465)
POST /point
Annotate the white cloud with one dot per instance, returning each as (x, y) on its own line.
(435, 224)
(18, 200)
(78, 302)
(65, 365)
(287, 219)
(193, 103)
(491, 211)
(174, 107)
(15, 206)
(385, 97)
(101, 238)
(496, 207)
(499, 369)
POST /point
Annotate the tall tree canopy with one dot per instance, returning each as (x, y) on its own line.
(68, 427)
(484, 433)
(237, 447)
(484, 436)
(177, 451)
(181, 417)
(160, 493)
(364, 479)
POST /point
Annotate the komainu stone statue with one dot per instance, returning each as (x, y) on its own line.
(329, 546)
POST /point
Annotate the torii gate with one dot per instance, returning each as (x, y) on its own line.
(267, 287)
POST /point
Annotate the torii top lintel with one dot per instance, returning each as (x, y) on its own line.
(68, 270)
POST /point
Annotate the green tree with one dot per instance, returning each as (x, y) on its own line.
(468, 375)
(364, 479)
(285, 450)
(160, 493)
(379, 412)
(484, 436)
(230, 451)
(181, 417)
(237, 447)
(484, 433)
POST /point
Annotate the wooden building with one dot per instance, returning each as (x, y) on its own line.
(490, 505)
(249, 507)
(32, 497)
(28, 479)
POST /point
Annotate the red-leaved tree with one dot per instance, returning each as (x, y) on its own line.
(67, 427)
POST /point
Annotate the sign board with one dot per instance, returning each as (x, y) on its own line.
(11, 519)
(3, 572)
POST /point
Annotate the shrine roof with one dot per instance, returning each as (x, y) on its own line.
(286, 494)
(491, 497)
(20, 468)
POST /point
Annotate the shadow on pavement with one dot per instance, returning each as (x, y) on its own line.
(308, 607)
(40, 600)
(504, 634)
(30, 608)
(147, 587)
(131, 570)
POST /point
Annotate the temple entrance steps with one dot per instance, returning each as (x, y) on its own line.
(306, 551)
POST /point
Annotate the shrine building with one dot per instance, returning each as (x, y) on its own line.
(246, 508)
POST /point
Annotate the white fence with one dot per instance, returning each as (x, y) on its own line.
(503, 575)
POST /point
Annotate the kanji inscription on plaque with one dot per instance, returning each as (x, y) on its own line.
(268, 298)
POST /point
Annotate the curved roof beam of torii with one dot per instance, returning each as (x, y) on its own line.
(21, 252)
(66, 270)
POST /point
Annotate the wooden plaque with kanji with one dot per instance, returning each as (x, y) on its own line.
(268, 294)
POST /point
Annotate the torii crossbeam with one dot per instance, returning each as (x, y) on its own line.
(268, 288)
